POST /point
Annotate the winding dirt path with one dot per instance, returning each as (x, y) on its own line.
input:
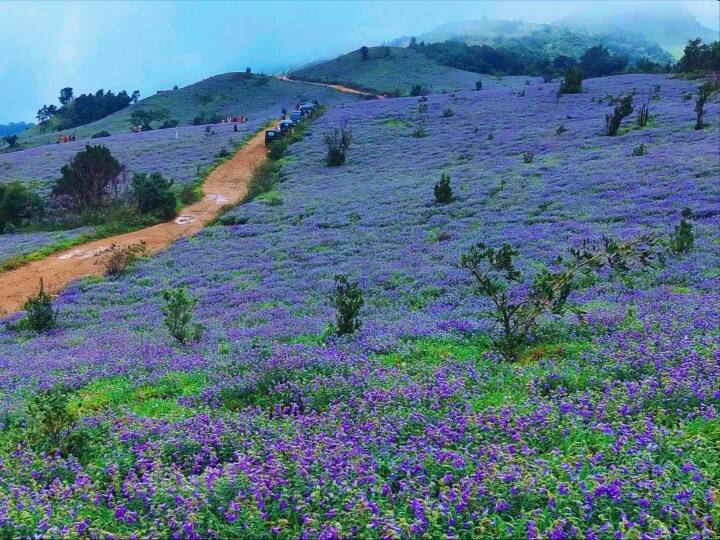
(227, 184)
(338, 87)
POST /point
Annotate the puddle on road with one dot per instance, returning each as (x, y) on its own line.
(220, 199)
(82, 253)
(184, 220)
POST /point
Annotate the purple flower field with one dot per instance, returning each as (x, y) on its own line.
(148, 151)
(14, 244)
(412, 426)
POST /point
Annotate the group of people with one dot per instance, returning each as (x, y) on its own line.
(234, 119)
(65, 138)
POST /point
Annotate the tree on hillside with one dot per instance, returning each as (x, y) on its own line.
(17, 204)
(143, 118)
(66, 96)
(364, 52)
(597, 61)
(413, 43)
(45, 113)
(90, 181)
(136, 96)
(700, 57)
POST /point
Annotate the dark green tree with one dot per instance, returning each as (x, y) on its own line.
(90, 180)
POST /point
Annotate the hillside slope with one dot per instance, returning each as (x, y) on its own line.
(394, 73)
(267, 426)
(257, 97)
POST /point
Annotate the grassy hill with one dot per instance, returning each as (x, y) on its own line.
(269, 426)
(255, 96)
(394, 73)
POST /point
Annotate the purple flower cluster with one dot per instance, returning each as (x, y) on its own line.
(411, 427)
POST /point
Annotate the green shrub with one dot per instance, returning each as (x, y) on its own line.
(347, 299)
(420, 131)
(443, 190)
(100, 134)
(419, 90)
(169, 124)
(447, 112)
(684, 238)
(40, 315)
(278, 148)
(572, 83)
(622, 110)
(153, 194)
(528, 156)
(644, 113)
(560, 129)
(49, 414)
(494, 273)
(18, 205)
(639, 150)
(177, 311)
(478, 85)
(90, 181)
(703, 93)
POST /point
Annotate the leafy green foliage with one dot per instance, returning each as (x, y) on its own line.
(447, 112)
(622, 110)
(572, 83)
(560, 129)
(100, 134)
(18, 205)
(478, 85)
(639, 150)
(40, 315)
(443, 190)
(49, 414)
(495, 275)
(597, 61)
(153, 193)
(419, 90)
(337, 141)
(143, 118)
(684, 238)
(10, 140)
(699, 56)
(177, 311)
(347, 299)
(89, 180)
(420, 130)
(528, 156)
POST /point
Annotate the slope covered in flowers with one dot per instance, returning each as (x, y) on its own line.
(413, 425)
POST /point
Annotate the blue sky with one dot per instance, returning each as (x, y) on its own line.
(155, 45)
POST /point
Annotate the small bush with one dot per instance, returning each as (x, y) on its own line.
(347, 299)
(337, 142)
(644, 113)
(100, 135)
(491, 136)
(639, 150)
(478, 85)
(423, 108)
(496, 278)
(447, 112)
(560, 129)
(684, 238)
(278, 148)
(703, 93)
(418, 90)
(177, 311)
(419, 131)
(169, 124)
(153, 194)
(614, 120)
(40, 313)
(528, 156)
(49, 414)
(18, 205)
(443, 190)
(118, 259)
(222, 153)
(572, 83)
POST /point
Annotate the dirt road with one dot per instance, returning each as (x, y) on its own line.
(227, 184)
(338, 87)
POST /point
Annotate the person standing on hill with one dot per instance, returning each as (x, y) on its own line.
(177, 133)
